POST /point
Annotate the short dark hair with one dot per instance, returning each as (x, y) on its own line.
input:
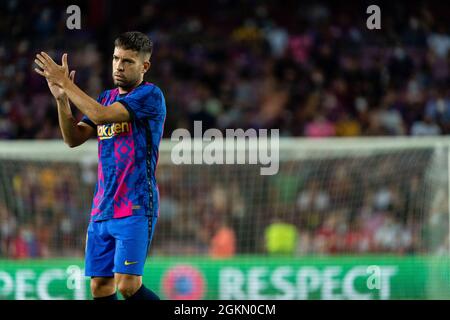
(136, 41)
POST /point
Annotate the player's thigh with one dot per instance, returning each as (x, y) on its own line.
(133, 236)
(100, 250)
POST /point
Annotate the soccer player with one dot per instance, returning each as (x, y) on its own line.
(128, 122)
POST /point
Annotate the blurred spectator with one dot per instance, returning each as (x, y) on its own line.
(24, 244)
(438, 108)
(348, 126)
(313, 198)
(426, 127)
(281, 238)
(223, 242)
(320, 127)
(439, 42)
(8, 227)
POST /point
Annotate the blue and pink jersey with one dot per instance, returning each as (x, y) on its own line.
(128, 155)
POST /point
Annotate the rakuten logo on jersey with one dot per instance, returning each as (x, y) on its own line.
(107, 131)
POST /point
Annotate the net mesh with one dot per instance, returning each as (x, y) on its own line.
(339, 200)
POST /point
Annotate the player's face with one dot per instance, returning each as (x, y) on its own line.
(129, 67)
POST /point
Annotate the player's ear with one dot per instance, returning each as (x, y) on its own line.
(147, 65)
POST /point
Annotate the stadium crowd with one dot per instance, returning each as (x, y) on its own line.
(310, 70)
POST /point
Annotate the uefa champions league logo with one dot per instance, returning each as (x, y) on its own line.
(183, 282)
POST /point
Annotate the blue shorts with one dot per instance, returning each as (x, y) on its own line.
(118, 245)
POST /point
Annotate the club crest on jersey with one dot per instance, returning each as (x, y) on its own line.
(107, 131)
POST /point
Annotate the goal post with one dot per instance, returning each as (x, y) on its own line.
(337, 207)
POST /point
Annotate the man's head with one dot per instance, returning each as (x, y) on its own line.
(131, 59)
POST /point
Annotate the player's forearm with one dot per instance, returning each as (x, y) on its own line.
(67, 122)
(88, 106)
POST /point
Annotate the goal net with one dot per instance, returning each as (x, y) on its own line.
(364, 218)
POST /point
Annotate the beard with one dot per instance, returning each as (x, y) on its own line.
(124, 83)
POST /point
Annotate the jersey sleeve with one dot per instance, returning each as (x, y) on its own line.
(85, 119)
(88, 121)
(144, 102)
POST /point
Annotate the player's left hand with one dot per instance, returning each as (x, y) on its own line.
(53, 72)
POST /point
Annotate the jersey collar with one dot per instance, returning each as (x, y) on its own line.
(121, 95)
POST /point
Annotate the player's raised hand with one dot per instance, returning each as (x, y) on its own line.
(56, 90)
(50, 70)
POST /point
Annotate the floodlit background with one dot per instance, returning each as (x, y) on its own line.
(362, 213)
